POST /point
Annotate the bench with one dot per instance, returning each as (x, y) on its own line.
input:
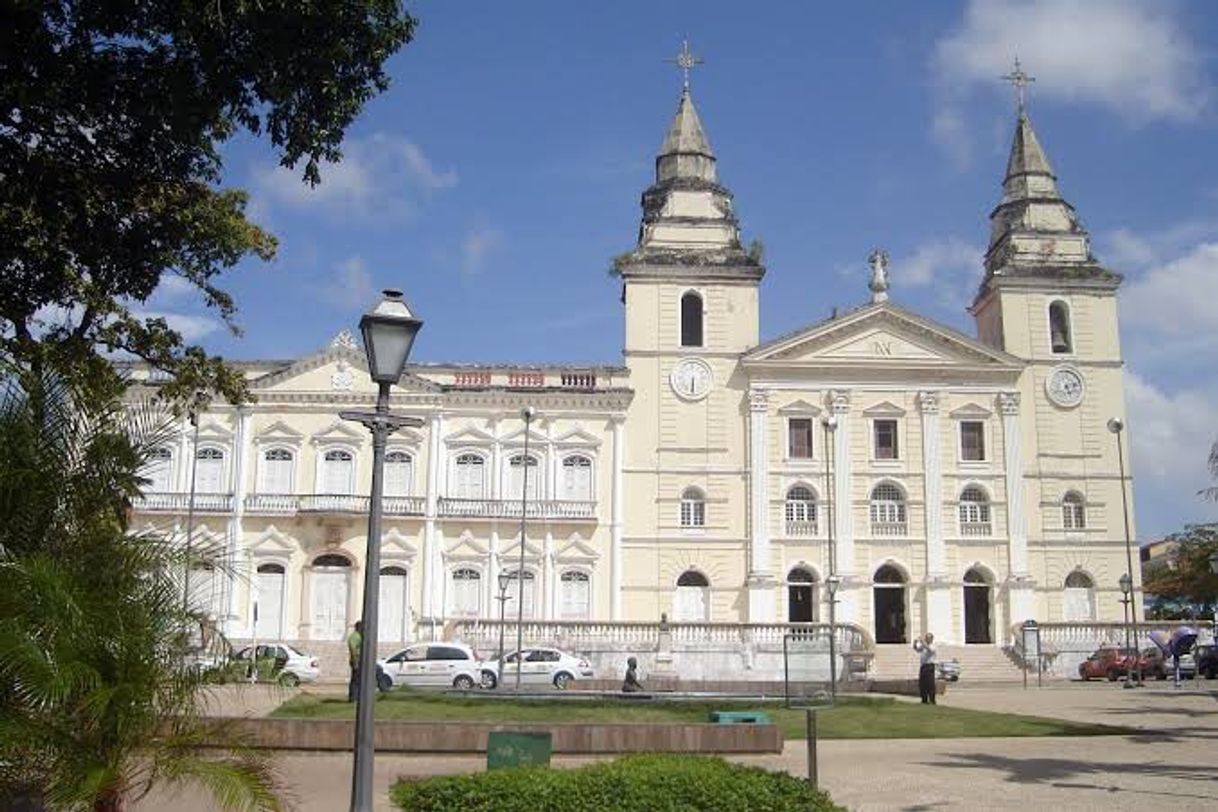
(739, 718)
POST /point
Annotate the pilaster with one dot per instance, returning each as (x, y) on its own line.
(843, 507)
(1017, 531)
(932, 470)
(429, 513)
(241, 457)
(617, 509)
(760, 581)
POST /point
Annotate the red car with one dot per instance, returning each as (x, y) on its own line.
(1108, 663)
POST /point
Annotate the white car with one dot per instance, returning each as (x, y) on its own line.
(540, 666)
(292, 666)
(432, 665)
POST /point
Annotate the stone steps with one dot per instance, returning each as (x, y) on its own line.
(978, 663)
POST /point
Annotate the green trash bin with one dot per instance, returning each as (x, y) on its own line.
(510, 748)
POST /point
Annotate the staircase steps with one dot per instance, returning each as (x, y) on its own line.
(978, 663)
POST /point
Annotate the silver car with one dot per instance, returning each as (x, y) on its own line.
(538, 666)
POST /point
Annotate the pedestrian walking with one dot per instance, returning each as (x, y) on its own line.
(355, 642)
(925, 646)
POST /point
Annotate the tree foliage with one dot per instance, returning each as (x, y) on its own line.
(112, 118)
(1212, 491)
(96, 705)
(1183, 580)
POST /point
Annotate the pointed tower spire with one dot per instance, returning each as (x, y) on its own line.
(688, 226)
(1033, 230)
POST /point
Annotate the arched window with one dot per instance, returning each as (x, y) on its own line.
(1074, 511)
(801, 512)
(691, 320)
(338, 471)
(399, 469)
(577, 478)
(516, 476)
(158, 470)
(466, 592)
(1078, 597)
(209, 470)
(691, 604)
(693, 508)
(888, 516)
(331, 560)
(974, 512)
(1059, 328)
(277, 469)
(521, 587)
(576, 595)
(468, 480)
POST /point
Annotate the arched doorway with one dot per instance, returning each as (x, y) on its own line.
(801, 596)
(889, 598)
(691, 604)
(977, 602)
(394, 604)
(1078, 597)
(329, 587)
(270, 580)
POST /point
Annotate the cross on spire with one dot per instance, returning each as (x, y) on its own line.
(1020, 80)
(685, 60)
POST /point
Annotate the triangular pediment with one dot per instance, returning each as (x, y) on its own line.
(339, 431)
(879, 335)
(516, 438)
(397, 547)
(273, 542)
(468, 435)
(213, 430)
(800, 407)
(576, 550)
(466, 547)
(885, 409)
(971, 410)
(278, 432)
(338, 368)
(532, 552)
(578, 436)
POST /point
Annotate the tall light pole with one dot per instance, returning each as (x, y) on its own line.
(1126, 584)
(389, 330)
(829, 422)
(502, 597)
(527, 415)
(1116, 426)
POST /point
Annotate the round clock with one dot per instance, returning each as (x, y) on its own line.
(691, 379)
(1065, 386)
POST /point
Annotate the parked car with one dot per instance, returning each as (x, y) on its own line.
(1107, 663)
(540, 666)
(431, 665)
(290, 666)
(1206, 660)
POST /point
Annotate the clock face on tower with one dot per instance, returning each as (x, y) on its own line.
(691, 379)
(1065, 387)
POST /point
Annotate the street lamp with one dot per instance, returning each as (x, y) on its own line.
(389, 330)
(829, 422)
(502, 597)
(1116, 426)
(1126, 600)
(832, 583)
(1213, 559)
(526, 414)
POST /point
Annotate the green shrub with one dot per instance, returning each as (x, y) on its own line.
(630, 784)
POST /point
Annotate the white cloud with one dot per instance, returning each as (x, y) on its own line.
(941, 260)
(191, 327)
(1132, 56)
(382, 178)
(950, 131)
(351, 286)
(1173, 298)
(479, 243)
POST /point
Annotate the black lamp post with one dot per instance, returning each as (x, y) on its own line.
(1126, 601)
(502, 597)
(389, 330)
(829, 422)
(1116, 426)
(1213, 559)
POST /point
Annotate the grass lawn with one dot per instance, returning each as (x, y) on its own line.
(852, 718)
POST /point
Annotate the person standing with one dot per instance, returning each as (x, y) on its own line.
(925, 646)
(355, 642)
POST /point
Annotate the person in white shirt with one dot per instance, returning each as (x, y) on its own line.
(925, 647)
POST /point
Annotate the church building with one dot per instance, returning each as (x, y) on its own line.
(938, 481)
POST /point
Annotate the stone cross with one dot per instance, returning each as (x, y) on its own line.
(1019, 80)
(685, 60)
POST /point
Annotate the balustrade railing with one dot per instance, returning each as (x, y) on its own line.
(403, 505)
(1086, 635)
(887, 529)
(277, 503)
(974, 529)
(333, 503)
(510, 508)
(156, 502)
(801, 528)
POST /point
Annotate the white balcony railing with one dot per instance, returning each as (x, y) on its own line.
(279, 504)
(975, 529)
(333, 503)
(801, 528)
(511, 508)
(888, 529)
(180, 502)
(403, 505)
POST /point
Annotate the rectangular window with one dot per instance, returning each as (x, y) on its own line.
(885, 439)
(972, 441)
(799, 438)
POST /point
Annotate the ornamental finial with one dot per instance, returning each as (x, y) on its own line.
(685, 60)
(1019, 80)
(879, 275)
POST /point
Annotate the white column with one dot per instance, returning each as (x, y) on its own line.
(1020, 590)
(494, 564)
(429, 513)
(547, 579)
(617, 511)
(938, 592)
(843, 509)
(241, 456)
(760, 581)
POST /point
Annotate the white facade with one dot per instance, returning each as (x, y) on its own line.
(966, 485)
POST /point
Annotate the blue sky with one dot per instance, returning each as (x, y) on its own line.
(501, 172)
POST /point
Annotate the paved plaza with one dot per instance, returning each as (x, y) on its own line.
(1172, 762)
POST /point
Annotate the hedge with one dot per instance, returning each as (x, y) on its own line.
(630, 784)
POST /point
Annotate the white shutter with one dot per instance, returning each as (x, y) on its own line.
(270, 606)
(466, 588)
(690, 604)
(159, 471)
(577, 478)
(329, 605)
(209, 471)
(397, 473)
(468, 480)
(392, 605)
(337, 467)
(277, 471)
(1077, 603)
(576, 596)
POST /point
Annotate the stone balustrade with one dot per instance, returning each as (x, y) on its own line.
(511, 508)
(157, 502)
(1066, 644)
